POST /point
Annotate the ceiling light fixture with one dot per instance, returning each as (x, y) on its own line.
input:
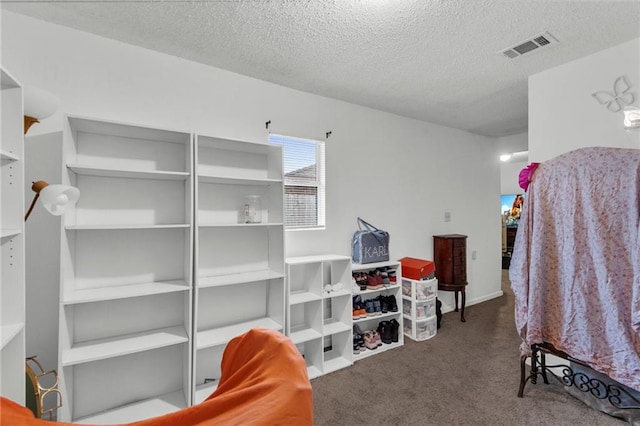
(515, 156)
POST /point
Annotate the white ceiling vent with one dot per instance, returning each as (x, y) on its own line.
(530, 45)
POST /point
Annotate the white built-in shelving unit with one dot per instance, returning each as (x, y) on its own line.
(419, 308)
(371, 322)
(126, 272)
(12, 267)
(319, 318)
(239, 278)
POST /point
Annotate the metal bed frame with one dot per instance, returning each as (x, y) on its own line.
(611, 392)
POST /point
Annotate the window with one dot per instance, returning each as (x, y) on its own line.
(304, 188)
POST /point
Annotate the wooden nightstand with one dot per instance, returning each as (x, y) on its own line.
(450, 257)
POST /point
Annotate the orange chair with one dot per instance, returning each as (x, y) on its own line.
(263, 382)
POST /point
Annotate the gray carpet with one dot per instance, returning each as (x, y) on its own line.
(468, 374)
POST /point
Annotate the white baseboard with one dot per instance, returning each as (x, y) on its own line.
(448, 308)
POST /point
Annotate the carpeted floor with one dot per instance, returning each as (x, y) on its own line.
(468, 374)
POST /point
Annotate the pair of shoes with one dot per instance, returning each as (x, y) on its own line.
(373, 307)
(358, 344)
(384, 330)
(374, 281)
(395, 329)
(359, 310)
(355, 288)
(328, 288)
(390, 301)
(361, 280)
(358, 340)
(370, 341)
(384, 306)
(392, 275)
(375, 336)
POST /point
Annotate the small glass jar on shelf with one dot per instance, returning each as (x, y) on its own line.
(252, 212)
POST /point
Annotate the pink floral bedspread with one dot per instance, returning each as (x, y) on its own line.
(575, 269)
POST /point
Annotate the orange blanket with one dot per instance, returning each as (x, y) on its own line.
(263, 382)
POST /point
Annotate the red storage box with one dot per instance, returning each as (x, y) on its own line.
(417, 269)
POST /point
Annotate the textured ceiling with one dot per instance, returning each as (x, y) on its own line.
(433, 60)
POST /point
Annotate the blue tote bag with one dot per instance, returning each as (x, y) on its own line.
(369, 244)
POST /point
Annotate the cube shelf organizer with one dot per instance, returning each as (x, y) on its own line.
(319, 311)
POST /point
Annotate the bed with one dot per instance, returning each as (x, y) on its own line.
(263, 382)
(575, 270)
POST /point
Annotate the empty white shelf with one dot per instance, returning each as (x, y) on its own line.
(335, 363)
(8, 332)
(304, 335)
(222, 335)
(303, 297)
(123, 291)
(246, 277)
(225, 180)
(95, 350)
(8, 156)
(314, 372)
(334, 327)
(127, 173)
(237, 225)
(204, 391)
(116, 227)
(163, 404)
(10, 232)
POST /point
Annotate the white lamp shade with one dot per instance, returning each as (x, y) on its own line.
(57, 198)
(39, 103)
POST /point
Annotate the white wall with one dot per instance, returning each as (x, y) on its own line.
(42, 239)
(563, 115)
(509, 171)
(399, 174)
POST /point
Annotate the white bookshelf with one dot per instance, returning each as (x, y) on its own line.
(218, 336)
(126, 272)
(239, 267)
(12, 251)
(319, 322)
(160, 405)
(371, 322)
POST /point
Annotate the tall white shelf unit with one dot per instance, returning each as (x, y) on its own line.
(12, 272)
(126, 272)
(239, 279)
(319, 322)
(371, 322)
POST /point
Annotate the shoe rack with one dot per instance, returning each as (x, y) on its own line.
(239, 280)
(126, 266)
(370, 322)
(419, 308)
(12, 267)
(319, 317)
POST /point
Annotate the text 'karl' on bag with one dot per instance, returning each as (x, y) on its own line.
(370, 244)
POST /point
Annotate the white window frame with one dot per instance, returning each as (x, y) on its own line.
(319, 183)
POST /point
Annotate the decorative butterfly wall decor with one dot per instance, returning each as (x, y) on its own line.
(620, 98)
